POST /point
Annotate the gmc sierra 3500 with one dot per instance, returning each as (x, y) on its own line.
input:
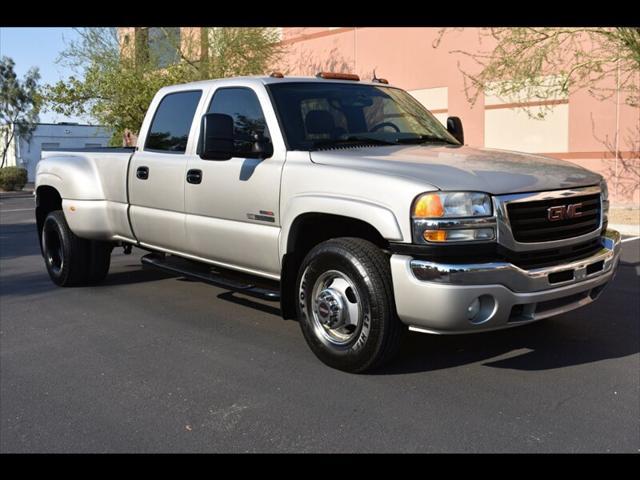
(346, 201)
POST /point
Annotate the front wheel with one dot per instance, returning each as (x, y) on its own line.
(346, 307)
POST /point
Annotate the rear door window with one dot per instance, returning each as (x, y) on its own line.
(172, 121)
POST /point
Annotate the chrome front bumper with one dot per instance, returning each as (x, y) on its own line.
(435, 297)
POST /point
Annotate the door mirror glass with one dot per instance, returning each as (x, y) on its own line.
(216, 137)
(454, 126)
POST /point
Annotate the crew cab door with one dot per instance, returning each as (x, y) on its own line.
(232, 206)
(157, 172)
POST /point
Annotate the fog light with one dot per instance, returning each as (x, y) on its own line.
(473, 309)
(482, 309)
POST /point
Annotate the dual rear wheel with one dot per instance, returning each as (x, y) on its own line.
(71, 260)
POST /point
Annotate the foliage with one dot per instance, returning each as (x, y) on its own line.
(115, 79)
(545, 63)
(19, 104)
(13, 178)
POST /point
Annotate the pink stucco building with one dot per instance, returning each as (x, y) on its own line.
(578, 128)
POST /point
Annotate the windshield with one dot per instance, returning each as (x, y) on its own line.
(316, 115)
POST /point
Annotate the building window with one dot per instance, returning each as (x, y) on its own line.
(164, 45)
(158, 45)
(49, 146)
(514, 122)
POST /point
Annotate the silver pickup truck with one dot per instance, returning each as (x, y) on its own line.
(346, 201)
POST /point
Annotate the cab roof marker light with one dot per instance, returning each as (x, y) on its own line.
(338, 76)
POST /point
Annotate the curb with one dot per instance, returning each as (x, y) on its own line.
(22, 194)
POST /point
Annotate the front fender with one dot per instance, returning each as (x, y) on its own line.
(378, 216)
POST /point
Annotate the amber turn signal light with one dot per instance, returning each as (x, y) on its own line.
(428, 206)
(435, 235)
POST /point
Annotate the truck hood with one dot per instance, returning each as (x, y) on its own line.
(463, 168)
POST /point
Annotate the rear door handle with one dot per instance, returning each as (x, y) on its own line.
(142, 173)
(194, 176)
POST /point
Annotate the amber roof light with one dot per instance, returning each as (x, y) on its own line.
(276, 75)
(338, 76)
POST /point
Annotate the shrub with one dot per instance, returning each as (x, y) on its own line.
(12, 178)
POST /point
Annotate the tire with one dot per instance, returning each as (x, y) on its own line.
(339, 281)
(70, 260)
(99, 261)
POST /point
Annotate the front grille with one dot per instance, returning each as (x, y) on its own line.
(553, 256)
(530, 224)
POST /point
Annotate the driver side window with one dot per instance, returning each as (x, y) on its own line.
(241, 104)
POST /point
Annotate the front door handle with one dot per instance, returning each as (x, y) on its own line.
(194, 176)
(142, 173)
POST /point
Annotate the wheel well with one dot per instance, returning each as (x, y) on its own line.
(307, 231)
(47, 200)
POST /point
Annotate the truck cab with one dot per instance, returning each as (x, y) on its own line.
(346, 201)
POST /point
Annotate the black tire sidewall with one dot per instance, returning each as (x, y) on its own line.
(356, 355)
(51, 222)
(74, 252)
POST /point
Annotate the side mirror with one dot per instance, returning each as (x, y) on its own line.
(454, 127)
(216, 137)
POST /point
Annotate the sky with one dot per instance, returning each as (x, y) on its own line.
(39, 47)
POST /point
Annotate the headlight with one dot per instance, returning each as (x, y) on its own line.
(451, 217)
(452, 204)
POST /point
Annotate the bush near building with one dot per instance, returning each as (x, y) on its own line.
(12, 178)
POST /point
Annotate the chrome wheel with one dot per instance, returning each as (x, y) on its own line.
(336, 308)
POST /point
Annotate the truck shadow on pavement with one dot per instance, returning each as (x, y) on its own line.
(608, 328)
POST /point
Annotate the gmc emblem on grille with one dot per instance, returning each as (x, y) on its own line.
(562, 212)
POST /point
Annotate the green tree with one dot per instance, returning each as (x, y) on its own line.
(115, 78)
(19, 104)
(544, 63)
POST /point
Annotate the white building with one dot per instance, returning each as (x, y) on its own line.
(48, 136)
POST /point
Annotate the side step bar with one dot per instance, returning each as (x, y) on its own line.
(203, 272)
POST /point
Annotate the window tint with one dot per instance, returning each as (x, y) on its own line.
(172, 121)
(243, 106)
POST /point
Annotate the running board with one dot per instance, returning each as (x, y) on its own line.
(203, 272)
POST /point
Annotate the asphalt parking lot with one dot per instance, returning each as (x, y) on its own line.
(150, 362)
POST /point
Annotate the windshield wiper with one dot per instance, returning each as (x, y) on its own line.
(351, 140)
(425, 139)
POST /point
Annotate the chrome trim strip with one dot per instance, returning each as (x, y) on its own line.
(514, 277)
(454, 223)
(505, 234)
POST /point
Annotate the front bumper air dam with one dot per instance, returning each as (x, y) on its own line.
(440, 298)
